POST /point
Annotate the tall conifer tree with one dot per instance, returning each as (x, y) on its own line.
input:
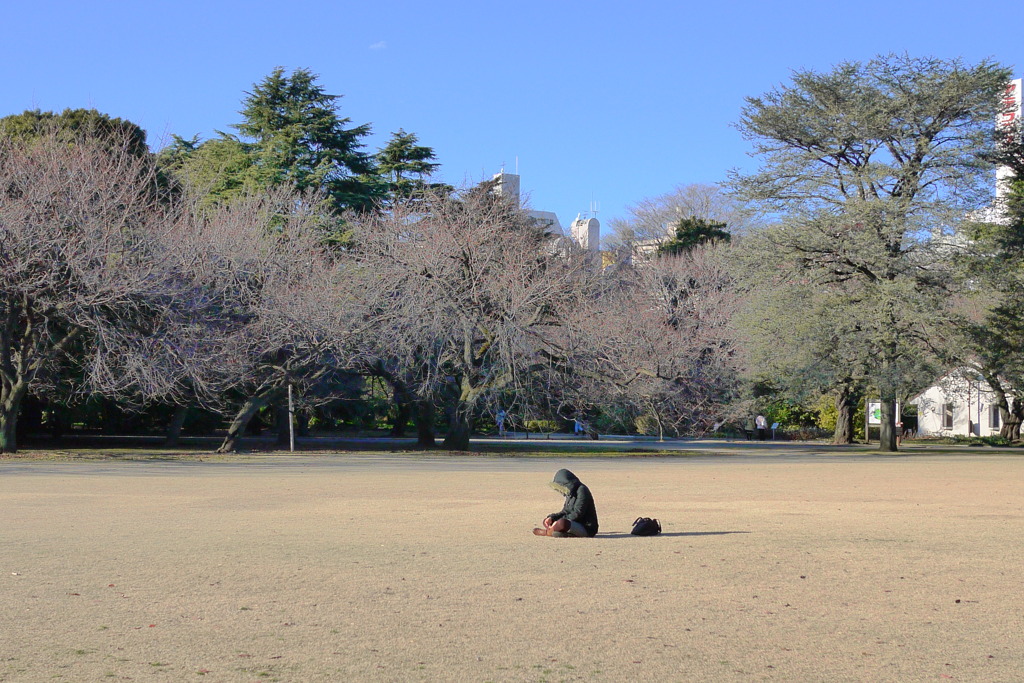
(298, 137)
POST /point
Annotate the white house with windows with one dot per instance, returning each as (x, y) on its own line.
(959, 403)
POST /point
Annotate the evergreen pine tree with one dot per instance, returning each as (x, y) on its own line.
(692, 231)
(299, 138)
(404, 164)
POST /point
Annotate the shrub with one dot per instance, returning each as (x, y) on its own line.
(789, 415)
(541, 426)
(827, 413)
(647, 425)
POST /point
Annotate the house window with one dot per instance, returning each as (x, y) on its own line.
(947, 415)
(993, 416)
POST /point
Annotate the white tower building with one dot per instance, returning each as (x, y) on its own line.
(1010, 119)
(587, 233)
(508, 185)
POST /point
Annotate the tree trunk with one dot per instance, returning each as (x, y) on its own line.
(424, 417)
(30, 419)
(403, 413)
(845, 401)
(1014, 418)
(8, 425)
(887, 430)
(1005, 428)
(58, 422)
(281, 425)
(112, 417)
(301, 423)
(245, 414)
(1011, 410)
(9, 407)
(459, 426)
(175, 425)
(409, 406)
(457, 438)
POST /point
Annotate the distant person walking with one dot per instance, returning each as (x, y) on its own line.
(500, 418)
(762, 427)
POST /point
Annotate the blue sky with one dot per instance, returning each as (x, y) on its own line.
(599, 101)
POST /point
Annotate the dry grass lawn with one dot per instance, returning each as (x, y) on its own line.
(378, 568)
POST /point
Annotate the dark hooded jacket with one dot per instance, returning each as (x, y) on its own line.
(579, 503)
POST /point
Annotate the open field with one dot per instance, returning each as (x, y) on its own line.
(402, 568)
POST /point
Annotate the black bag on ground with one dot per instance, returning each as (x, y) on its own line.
(645, 526)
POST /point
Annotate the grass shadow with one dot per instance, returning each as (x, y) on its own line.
(618, 534)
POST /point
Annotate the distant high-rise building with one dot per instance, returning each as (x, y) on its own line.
(1009, 119)
(585, 232)
(507, 186)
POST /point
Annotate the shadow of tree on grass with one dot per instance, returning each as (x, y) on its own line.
(619, 534)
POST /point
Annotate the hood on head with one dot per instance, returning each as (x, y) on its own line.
(564, 482)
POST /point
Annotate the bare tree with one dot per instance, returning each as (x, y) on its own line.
(659, 342)
(653, 220)
(76, 252)
(467, 293)
(252, 303)
(277, 306)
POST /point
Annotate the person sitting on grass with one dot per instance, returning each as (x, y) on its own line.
(578, 516)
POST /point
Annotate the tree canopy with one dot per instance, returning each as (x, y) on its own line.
(297, 136)
(404, 164)
(291, 134)
(653, 220)
(220, 169)
(691, 232)
(867, 168)
(77, 124)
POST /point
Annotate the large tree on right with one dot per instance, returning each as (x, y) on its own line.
(866, 168)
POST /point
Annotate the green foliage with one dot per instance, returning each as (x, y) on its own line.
(541, 426)
(860, 164)
(647, 425)
(291, 134)
(220, 169)
(827, 413)
(961, 440)
(611, 419)
(788, 414)
(297, 137)
(404, 165)
(996, 263)
(691, 232)
(859, 417)
(78, 122)
(881, 131)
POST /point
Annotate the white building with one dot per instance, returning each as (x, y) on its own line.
(960, 403)
(1009, 119)
(585, 232)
